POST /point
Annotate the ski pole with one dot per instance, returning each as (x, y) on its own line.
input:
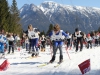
(67, 53)
(51, 48)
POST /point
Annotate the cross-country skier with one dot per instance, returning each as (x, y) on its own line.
(33, 35)
(68, 40)
(57, 36)
(79, 39)
(43, 40)
(89, 41)
(11, 43)
(3, 41)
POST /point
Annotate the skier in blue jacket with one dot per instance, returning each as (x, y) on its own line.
(57, 37)
(3, 41)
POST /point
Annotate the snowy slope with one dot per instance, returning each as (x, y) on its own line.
(21, 66)
(50, 7)
(68, 17)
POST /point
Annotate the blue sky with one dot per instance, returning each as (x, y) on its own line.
(89, 3)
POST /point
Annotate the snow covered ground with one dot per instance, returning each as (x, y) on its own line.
(20, 65)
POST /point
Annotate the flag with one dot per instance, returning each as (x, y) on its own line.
(4, 66)
(84, 66)
(18, 49)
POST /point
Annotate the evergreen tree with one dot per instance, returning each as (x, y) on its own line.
(15, 25)
(4, 15)
(50, 29)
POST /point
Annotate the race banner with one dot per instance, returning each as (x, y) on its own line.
(4, 66)
(84, 66)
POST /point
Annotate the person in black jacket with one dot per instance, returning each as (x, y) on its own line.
(79, 39)
(11, 43)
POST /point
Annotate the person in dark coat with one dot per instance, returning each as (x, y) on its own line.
(79, 39)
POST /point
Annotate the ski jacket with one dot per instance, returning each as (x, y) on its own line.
(58, 36)
(89, 39)
(11, 38)
(96, 37)
(32, 34)
(43, 39)
(3, 38)
(80, 34)
(69, 36)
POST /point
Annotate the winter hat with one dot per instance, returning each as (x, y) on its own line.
(76, 29)
(88, 35)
